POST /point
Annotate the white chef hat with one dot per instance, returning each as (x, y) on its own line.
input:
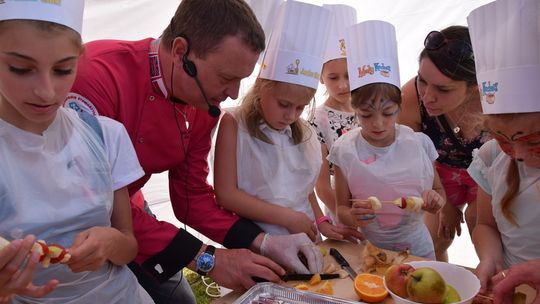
(372, 55)
(505, 36)
(65, 12)
(296, 48)
(342, 17)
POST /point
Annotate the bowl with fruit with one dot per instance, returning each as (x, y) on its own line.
(430, 282)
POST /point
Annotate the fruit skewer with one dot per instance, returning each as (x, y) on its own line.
(48, 254)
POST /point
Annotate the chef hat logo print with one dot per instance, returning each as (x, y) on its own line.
(293, 68)
(488, 91)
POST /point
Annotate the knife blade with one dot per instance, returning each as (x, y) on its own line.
(300, 277)
(308, 276)
(342, 262)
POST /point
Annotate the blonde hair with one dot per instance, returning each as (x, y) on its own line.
(250, 111)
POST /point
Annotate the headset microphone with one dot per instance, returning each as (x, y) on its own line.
(191, 70)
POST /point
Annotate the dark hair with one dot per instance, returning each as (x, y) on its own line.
(453, 64)
(207, 22)
(375, 91)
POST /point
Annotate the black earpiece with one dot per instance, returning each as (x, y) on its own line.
(189, 66)
(191, 70)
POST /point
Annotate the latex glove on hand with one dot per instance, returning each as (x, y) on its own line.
(284, 250)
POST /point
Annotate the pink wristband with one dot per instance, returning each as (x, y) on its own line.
(323, 218)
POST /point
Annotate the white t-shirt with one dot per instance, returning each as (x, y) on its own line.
(60, 183)
(405, 168)
(281, 173)
(488, 168)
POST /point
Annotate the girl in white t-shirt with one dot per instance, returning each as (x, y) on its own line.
(388, 161)
(63, 179)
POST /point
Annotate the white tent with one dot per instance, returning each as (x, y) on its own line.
(413, 19)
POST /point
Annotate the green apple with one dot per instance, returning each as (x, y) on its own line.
(451, 296)
(426, 286)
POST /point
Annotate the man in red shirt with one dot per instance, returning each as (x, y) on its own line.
(161, 90)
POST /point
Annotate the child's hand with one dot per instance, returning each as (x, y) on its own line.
(17, 267)
(362, 212)
(484, 271)
(300, 222)
(433, 201)
(340, 232)
(91, 249)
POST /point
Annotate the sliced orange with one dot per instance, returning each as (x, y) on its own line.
(302, 286)
(326, 289)
(370, 287)
(315, 279)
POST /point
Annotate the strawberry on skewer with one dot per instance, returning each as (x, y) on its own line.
(48, 254)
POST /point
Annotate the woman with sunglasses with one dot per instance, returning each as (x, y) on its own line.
(443, 102)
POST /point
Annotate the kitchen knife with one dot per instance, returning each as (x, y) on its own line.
(307, 277)
(342, 262)
(300, 277)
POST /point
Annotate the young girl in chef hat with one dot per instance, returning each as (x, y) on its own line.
(335, 116)
(383, 159)
(62, 179)
(505, 37)
(271, 176)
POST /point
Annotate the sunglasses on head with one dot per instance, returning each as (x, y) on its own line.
(456, 51)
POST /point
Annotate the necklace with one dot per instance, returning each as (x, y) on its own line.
(184, 114)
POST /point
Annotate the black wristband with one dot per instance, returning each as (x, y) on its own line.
(241, 234)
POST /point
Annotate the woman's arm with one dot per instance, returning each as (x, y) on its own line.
(410, 106)
(323, 187)
(232, 198)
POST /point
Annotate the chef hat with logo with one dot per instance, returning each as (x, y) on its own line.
(296, 48)
(372, 55)
(342, 17)
(65, 12)
(505, 36)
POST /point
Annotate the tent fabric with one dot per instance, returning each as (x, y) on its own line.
(413, 19)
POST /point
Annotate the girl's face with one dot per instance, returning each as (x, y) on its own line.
(518, 136)
(378, 119)
(283, 103)
(37, 69)
(336, 79)
(439, 93)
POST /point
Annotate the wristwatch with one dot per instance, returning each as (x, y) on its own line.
(205, 261)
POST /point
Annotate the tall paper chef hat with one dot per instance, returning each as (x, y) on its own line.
(65, 12)
(505, 36)
(372, 55)
(296, 48)
(342, 17)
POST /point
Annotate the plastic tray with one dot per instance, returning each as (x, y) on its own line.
(270, 293)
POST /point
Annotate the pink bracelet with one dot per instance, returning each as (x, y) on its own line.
(322, 219)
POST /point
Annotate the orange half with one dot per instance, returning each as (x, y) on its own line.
(370, 287)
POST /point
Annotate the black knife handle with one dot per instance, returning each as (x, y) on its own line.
(339, 258)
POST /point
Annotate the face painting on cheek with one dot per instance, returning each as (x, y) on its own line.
(386, 107)
(532, 142)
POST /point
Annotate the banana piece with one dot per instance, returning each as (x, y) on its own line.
(375, 202)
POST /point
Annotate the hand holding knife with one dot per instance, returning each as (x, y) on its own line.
(342, 262)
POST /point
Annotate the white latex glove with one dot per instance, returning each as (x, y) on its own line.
(283, 249)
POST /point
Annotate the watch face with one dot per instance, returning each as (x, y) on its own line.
(205, 262)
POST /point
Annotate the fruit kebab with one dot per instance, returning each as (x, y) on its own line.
(409, 203)
(48, 254)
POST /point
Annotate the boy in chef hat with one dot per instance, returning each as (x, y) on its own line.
(270, 178)
(383, 159)
(505, 37)
(335, 116)
(61, 180)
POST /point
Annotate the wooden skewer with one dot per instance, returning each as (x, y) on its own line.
(357, 199)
